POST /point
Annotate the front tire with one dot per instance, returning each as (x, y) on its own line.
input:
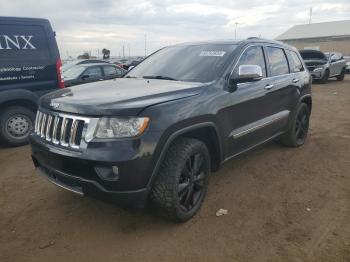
(325, 77)
(298, 127)
(341, 76)
(182, 180)
(16, 123)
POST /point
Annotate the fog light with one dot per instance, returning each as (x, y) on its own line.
(108, 173)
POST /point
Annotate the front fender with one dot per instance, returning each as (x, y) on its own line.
(166, 140)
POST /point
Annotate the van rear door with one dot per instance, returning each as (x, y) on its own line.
(29, 55)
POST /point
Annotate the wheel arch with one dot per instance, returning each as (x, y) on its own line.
(206, 132)
(307, 99)
(19, 97)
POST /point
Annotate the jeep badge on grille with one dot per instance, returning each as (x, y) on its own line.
(54, 105)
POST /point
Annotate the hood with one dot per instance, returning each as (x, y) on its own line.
(315, 62)
(311, 55)
(122, 97)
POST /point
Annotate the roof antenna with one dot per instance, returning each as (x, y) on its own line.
(310, 18)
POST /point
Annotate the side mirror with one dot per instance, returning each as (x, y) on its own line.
(84, 77)
(249, 73)
(246, 73)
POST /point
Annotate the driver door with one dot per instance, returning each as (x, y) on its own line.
(249, 106)
(335, 68)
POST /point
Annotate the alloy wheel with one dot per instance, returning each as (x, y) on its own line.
(301, 126)
(192, 182)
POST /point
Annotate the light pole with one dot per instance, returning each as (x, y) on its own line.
(236, 24)
(145, 45)
(310, 16)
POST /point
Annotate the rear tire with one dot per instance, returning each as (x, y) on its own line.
(16, 123)
(182, 180)
(325, 77)
(298, 127)
(341, 76)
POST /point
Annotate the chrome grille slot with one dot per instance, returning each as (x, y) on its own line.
(55, 128)
(61, 129)
(43, 125)
(63, 132)
(48, 133)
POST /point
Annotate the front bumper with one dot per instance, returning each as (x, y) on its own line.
(76, 170)
(91, 188)
(317, 75)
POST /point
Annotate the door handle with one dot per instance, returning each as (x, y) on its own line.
(296, 80)
(268, 87)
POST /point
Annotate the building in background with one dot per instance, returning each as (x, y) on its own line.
(326, 37)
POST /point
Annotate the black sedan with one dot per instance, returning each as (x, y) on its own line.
(88, 73)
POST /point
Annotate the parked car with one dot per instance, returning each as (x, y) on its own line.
(347, 59)
(86, 73)
(30, 66)
(129, 63)
(157, 133)
(69, 65)
(322, 66)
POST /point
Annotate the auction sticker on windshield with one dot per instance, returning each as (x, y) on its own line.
(212, 53)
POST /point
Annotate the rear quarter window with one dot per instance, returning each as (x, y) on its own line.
(23, 43)
(295, 63)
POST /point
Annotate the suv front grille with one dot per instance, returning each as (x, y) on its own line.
(61, 129)
(311, 68)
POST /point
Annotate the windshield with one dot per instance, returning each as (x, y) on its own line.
(192, 63)
(73, 72)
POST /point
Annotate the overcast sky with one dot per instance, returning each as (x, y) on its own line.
(89, 25)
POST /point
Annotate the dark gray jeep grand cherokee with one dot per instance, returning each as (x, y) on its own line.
(155, 135)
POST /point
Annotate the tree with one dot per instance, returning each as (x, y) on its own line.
(106, 53)
(84, 56)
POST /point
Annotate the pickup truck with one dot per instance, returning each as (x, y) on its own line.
(323, 66)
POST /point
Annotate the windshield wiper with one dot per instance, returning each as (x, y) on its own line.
(160, 77)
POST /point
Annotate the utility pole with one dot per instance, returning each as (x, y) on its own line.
(123, 51)
(310, 16)
(145, 45)
(129, 49)
(236, 24)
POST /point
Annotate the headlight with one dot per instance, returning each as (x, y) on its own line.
(318, 69)
(121, 127)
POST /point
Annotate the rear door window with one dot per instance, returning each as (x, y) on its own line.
(277, 60)
(110, 71)
(93, 72)
(294, 62)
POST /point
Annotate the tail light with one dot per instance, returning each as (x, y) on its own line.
(59, 73)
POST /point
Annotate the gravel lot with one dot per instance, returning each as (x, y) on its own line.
(283, 205)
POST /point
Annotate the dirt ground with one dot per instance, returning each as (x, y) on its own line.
(283, 205)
